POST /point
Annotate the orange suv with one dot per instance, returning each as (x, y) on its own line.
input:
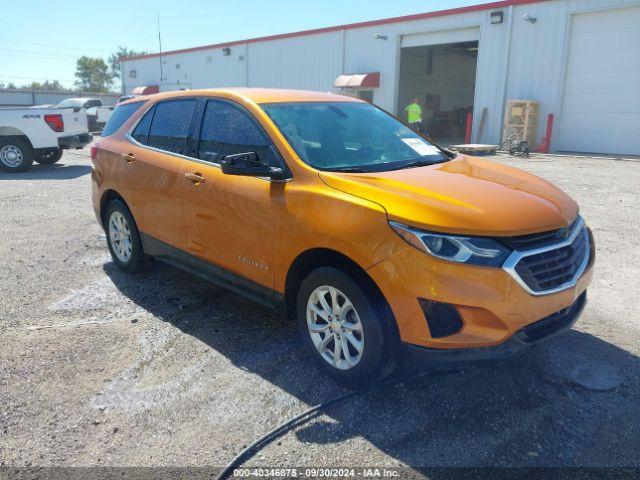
(385, 248)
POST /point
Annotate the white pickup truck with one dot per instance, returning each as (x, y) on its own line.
(102, 116)
(104, 112)
(39, 134)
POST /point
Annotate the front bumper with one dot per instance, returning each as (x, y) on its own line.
(492, 305)
(75, 141)
(421, 358)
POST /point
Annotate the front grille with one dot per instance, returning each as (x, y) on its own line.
(554, 268)
(553, 323)
(537, 240)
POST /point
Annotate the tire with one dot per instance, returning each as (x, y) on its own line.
(372, 362)
(50, 158)
(16, 154)
(92, 123)
(119, 225)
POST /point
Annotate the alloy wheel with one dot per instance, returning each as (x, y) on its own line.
(335, 327)
(120, 236)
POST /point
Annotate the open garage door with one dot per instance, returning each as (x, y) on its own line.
(438, 71)
(601, 104)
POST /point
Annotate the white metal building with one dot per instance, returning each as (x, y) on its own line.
(580, 59)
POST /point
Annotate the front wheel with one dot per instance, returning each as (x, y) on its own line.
(341, 328)
(16, 154)
(123, 239)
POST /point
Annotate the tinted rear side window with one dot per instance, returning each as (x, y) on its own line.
(120, 115)
(141, 132)
(227, 130)
(170, 125)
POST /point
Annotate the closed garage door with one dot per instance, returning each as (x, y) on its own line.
(601, 104)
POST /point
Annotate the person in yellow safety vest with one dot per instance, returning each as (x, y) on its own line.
(414, 115)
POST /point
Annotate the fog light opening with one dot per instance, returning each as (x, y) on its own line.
(443, 319)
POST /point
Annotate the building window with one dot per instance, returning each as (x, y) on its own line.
(133, 74)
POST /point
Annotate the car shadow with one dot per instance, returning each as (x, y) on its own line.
(570, 402)
(57, 171)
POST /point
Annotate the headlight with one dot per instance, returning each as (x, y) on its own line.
(471, 250)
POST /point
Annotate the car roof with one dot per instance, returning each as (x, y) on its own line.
(255, 95)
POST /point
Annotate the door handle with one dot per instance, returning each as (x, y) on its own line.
(196, 178)
(128, 157)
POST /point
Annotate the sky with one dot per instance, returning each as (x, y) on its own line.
(45, 38)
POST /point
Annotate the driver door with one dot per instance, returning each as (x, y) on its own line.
(230, 220)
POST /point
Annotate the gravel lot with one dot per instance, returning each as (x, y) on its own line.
(100, 368)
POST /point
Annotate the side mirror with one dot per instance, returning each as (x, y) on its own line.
(248, 164)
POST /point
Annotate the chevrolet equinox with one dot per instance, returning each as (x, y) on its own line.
(385, 249)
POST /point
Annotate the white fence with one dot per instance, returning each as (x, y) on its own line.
(27, 98)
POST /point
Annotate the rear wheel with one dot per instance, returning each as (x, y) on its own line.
(123, 239)
(50, 157)
(341, 328)
(16, 154)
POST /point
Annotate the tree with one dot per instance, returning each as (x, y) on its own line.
(114, 59)
(92, 74)
(54, 85)
(50, 85)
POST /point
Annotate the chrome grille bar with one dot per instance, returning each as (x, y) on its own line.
(551, 268)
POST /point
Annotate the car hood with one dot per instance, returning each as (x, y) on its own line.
(466, 195)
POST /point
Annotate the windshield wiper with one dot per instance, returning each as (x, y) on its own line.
(419, 163)
(346, 169)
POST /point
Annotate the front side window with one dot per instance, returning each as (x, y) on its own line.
(170, 125)
(351, 136)
(120, 114)
(227, 130)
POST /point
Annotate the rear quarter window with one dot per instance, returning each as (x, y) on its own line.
(141, 132)
(120, 114)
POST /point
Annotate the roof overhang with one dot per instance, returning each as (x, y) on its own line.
(358, 80)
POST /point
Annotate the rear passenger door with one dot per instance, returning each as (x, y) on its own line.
(230, 219)
(154, 173)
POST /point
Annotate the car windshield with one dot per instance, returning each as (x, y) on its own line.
(351, 136)
(71, 102)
